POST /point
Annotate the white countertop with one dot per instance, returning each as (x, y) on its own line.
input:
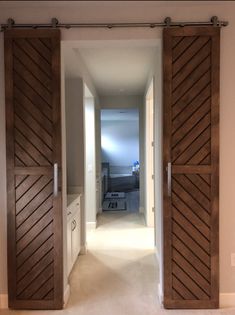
(71, 198)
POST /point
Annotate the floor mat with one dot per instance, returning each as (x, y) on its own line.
(114, 205)
(111, 195)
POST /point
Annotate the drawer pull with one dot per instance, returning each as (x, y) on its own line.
(74, 225)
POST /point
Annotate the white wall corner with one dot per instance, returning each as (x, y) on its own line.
(66, 295)
(157, 255)
(91, 225)
(141, 210)
(3, 301)
(160, 294)
(83, 250)
(227, 300)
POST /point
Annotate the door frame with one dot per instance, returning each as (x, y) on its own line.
(158, 152)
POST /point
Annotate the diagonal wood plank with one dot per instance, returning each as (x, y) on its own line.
(187, 69)
(180, 133)
(29, 264)
(190, 108)
(28, 62)
(183, 45)
(192, 93)
(191, 216)
(36, 112)
(186, 85)
(189, 201)
(31, 207)
(191, 136)
(31, 51)
(191, 229)
(191, 257)
(189, 53)
(29, 120)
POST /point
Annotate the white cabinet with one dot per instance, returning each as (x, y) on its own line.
(69, 246)
(73, 230)
(75, 240)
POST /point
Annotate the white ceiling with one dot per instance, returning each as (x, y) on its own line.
(119, 67)
(120, 114)
(119, 70)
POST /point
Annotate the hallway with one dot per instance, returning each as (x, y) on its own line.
(119, 273)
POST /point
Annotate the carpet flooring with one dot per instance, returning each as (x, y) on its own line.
(119, 273)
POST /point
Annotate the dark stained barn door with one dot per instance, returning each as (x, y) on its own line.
(32, 79)
(191, 167)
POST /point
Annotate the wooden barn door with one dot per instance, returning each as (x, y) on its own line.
(191, 167)
(32, 79)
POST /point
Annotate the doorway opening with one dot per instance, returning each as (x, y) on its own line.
(112, 169)
(120, 144)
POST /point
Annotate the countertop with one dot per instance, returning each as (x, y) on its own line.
(71, 198)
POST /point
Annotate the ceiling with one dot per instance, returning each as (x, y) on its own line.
(119, 114)
(115, 67)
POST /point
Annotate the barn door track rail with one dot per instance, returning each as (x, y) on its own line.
(11, 24)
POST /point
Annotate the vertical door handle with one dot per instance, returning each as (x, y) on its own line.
(55, 184)
(169, 179)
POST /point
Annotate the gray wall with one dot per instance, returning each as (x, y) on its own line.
(120, 142)
(90, 160)
(121, 101)
(74, 132)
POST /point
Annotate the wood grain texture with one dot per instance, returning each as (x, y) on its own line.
(35, 253)
(191, 145)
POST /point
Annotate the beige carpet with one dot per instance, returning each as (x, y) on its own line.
(119, 274)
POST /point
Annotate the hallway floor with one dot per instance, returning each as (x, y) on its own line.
(119, 269)
(118, 275)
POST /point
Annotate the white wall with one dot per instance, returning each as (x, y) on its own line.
(74, 132)
(120, 142)
(142, 11)
(149, 154)
(121, 101)
(90, 161)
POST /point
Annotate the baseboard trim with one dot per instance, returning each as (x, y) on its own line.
(66, 295)
(141, 209)
(227, 300)
(3, 301)
(157, 254)
(83, 250)
(160, 294)
(91, 225)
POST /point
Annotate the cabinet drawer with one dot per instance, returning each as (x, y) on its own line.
(74, 207)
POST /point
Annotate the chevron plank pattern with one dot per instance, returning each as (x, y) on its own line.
(35, 268)
(33, 144)
(34, 237)
(191, 145)
(191, 237)
(33, 123)
(191, 118)
(191, 113)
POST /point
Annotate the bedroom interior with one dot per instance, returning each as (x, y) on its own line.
(120, 159)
